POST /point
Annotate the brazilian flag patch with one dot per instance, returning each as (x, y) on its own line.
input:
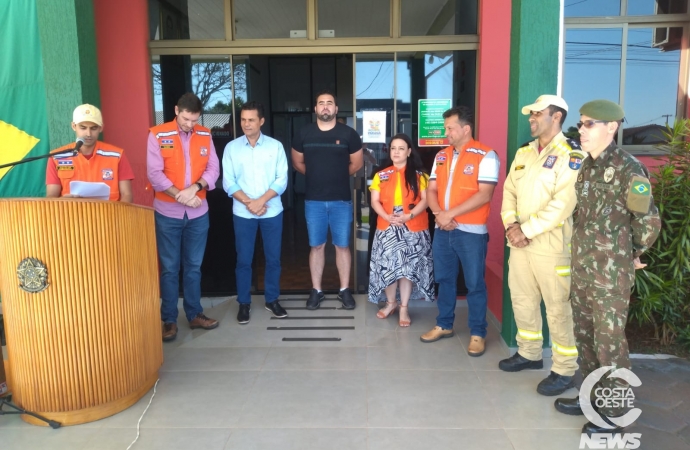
(639, 195)
(641, 187)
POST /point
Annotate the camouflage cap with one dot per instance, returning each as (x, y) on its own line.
(602, 110)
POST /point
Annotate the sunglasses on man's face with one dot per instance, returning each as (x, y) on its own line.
(589, 123)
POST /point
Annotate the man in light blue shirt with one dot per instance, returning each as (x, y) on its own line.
(255, 174)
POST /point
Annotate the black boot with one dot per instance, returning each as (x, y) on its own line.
(591, 428)
(517, 363)
(555, 384)
(569, 406)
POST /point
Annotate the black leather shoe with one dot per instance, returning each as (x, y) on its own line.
(276, 309)
(591, 428)
(243, 314)
(517, 363)
(315, 299)
(346, 297)
(569, 406)
(555, 384)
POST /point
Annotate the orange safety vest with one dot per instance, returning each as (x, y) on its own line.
(465, 180)
(102, 167)
(173, 155)
(389, 178)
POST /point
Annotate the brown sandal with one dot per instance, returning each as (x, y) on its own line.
(404, 323)
(383, 315)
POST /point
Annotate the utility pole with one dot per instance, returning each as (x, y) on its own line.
(667, 116)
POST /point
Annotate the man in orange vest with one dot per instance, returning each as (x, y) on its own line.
(96, 161)
(461, 185)
(182, 165)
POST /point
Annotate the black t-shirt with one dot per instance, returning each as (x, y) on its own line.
(327, 159)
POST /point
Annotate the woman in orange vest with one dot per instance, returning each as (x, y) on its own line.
(401, 252)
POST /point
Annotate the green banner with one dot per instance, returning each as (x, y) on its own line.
(23, 116)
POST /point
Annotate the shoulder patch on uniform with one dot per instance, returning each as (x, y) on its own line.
(573, 144)
(639, 195)
(575, 160)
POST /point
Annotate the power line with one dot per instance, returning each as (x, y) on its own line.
(372, 81)
(576, 3)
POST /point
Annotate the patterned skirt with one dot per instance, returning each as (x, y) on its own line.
(400, 253)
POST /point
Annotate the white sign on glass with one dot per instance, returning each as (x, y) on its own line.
(374, 123)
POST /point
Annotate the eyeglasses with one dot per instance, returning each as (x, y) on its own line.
(589, 123)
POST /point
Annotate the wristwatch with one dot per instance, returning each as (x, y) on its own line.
(200, 186)
(411, 215)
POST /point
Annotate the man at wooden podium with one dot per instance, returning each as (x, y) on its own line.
(182, 165)
(96, 162)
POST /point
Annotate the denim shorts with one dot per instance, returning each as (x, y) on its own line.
(336, 215)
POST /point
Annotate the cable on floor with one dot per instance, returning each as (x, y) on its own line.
(142, 414)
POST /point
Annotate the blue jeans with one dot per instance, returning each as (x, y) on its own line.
(245, 239)
(180, 239)
(336, 215)
(449, 247)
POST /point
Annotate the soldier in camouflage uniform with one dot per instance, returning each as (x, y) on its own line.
(614, 223)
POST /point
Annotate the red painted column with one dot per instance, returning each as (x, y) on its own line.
(124, 75)
(492, 125)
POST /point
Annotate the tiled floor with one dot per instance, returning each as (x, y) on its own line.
(379, 387)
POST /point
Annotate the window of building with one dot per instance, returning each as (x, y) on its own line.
(438, 17)
(607, 8)
(592, 69)
(185, 20)
(354, 18)
(209, 77)
(649, 7)
(632, 59)
(270, 19)
(592, 8)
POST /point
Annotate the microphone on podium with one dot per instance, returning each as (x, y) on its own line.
(78, 145)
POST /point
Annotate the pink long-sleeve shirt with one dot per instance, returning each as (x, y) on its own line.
(154, 171)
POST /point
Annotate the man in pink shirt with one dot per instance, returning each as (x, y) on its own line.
(182, 165)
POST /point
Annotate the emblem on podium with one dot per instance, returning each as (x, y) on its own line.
(33, 275)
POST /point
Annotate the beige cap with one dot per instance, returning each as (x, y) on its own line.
(87, 113)
(543, 102)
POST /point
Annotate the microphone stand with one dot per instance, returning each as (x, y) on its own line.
(70, 152)
(8, 401)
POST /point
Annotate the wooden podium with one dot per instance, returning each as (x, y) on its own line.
(86, 343)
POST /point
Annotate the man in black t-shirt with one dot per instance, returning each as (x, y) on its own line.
(328, 153)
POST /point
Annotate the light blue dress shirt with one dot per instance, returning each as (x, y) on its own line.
(255, 170)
